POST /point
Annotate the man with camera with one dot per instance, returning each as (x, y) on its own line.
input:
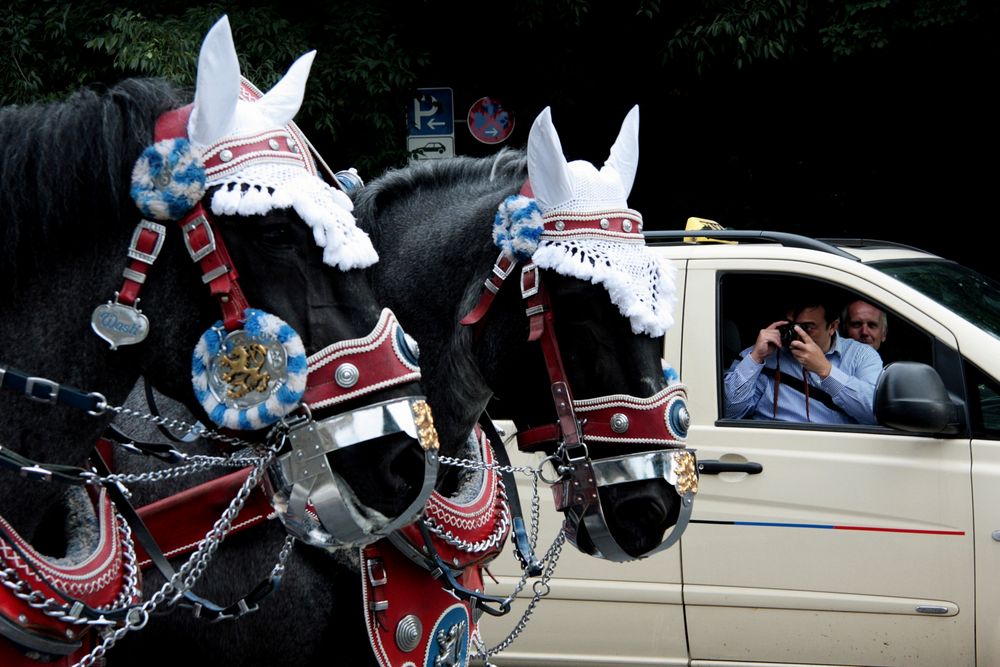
(800, 369)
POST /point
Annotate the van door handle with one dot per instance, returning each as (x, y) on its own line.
(714, 467)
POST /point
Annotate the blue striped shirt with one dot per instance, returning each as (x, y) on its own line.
(749, 391)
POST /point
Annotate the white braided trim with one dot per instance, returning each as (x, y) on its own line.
(97, 575)
(368, 343)
(409, 377)
(627, 401)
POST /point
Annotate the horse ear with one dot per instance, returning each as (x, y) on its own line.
(218, 86)
(282, 102)
(547, 168)
(624, 157)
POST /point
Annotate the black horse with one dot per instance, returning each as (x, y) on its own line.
(67, 224)
(431, 223)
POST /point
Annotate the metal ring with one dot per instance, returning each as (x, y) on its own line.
(100, 406)
(541, 475)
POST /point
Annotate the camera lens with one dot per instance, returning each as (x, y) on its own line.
(788, 334)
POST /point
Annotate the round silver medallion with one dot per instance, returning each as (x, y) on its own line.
(560, 225)
(292, 146)
(627, 225)
(619, 422)
(226, 155)
(247, 370)
(273, 143)
(605, 223)
(408, 632)
(346, 375)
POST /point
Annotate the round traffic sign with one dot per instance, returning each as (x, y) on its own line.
(489, 122)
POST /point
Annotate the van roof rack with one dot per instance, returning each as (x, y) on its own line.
(784, 238)
(869, 243)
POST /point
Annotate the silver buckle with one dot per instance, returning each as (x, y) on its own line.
(533, 290)
(161, 234)
(53, 387)
(209, 248)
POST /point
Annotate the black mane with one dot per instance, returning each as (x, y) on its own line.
(468, 176)
(65, 168)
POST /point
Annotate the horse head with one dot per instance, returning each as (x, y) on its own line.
(599, 303)
(566, 335)
(302, 327)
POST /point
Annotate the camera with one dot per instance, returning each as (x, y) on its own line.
(788, 334)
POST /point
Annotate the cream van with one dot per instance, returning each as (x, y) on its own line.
(808, 544)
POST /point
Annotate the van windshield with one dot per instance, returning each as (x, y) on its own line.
(964, 291)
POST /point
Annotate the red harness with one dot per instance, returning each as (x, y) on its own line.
(413, 616)
(97, 582)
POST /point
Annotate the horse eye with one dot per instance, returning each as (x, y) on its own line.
(278, 234)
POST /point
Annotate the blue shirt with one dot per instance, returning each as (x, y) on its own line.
(749, 388)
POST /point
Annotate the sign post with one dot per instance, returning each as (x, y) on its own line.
(430, 124)
(489, 122)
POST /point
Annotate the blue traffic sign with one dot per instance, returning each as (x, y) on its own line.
(431, 111)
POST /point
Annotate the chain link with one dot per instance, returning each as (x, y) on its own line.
(176, 425)
(540, 588)
(185, 578)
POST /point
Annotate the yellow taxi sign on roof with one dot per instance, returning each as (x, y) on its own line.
(694, 224)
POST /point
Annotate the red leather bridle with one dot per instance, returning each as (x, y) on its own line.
(659, 421)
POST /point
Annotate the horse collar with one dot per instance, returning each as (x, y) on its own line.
(105, 580)
(423, 586)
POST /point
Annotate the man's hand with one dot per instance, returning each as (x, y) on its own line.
(807, 353)
(768, 340)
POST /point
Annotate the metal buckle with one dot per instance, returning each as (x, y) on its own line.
(376, 580)
(161, 234)
(533, 290)
(208, 248)
(53, 387)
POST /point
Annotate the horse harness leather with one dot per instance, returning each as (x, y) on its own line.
(660, 420)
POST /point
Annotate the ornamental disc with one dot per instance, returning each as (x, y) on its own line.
(247, 370)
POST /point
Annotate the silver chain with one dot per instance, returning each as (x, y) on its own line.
(540, 587)
(174, 424)
(70, 614)
(185, 578)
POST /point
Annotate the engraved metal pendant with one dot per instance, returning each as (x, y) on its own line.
(247, 370)
(119, 324)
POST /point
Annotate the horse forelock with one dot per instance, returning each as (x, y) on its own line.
(65, 171)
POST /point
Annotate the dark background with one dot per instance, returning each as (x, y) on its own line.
(898, 145)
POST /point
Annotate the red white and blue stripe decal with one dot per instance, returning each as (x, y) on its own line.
(825, 526)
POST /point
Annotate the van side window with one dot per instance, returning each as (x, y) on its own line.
(984, 403)
(751, 301)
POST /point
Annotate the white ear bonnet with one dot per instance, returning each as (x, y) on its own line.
(613, 252)
(259, 156)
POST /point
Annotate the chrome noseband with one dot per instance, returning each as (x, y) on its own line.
(579, 495)
(316, 504)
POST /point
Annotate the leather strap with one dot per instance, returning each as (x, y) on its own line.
(147, 240)
(814, 393)
(522, 544)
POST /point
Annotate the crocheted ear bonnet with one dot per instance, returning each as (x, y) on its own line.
(579, 225)
(260, 158)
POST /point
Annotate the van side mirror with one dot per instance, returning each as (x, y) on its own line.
(911, 396)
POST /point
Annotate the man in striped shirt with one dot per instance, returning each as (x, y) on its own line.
(814, 375)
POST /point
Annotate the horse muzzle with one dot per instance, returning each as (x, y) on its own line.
(317, 504)
(314, 491)
(661, 420)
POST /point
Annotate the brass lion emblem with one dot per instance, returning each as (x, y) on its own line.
(246, 370)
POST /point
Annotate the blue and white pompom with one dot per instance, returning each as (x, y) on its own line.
(670, 374)
(517, 227)
(168, 179)
(284, 397)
